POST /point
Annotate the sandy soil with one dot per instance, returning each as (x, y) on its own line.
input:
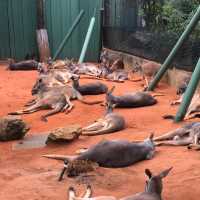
(24, 174)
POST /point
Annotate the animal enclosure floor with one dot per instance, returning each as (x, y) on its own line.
(25, 175)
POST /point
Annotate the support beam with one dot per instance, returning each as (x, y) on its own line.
(87, 40)
(192, 86)
(172, 54)
(68, 35)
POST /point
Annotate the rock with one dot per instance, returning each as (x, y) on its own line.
(65, 134)
(12, 128)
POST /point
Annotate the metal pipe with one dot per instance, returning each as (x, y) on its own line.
(68, 35)
(189, 93)
(172, 54)
(87, 40)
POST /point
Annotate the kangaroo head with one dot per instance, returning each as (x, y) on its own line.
(150, 140)
(109, 107)
(109, 92)
(154, 182)
(40, 85)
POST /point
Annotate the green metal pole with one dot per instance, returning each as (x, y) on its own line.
(87, 40)
(172, 54)
(76, 22)
(189, 93)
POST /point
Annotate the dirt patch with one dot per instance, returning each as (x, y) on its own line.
(24, 174)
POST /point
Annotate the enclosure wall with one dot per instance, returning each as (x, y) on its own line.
(18, 27)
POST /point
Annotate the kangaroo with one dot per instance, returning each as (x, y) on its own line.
(181, 89)
(87, 69)
(131, 100)
(117, 64)
(110, 123)
(24, 65)
(183, 85)
(114, 153)
(193, 110)
(153, 189)
(67, 90)
(118, 75)
(90, 88)
(148, 70)
(56, 98)
(187, 135)
(61, 76)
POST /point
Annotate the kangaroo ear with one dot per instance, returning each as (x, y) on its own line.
(164, 173)
(111, 90)
(148, 173)
(151, 136)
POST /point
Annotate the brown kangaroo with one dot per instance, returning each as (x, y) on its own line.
(153, 189)
(110, 123)
(148, 70)
(56, 98)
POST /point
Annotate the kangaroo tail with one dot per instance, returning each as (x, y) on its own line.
(60, 157)
(90, 103)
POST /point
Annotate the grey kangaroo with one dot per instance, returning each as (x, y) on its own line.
(24, 65)
(153, 189)
(110, 123)
(131, 100)
(114, 153)
(94, 88)
(187, 135)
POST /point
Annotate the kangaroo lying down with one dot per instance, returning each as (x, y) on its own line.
(24, 65)
(114, 153)
(131, 100)
(89, 88)
(187, 135)
(56, 98)
(110, 123)
(193, 110)
(153, 189)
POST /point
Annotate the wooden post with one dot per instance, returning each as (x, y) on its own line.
(42, 35)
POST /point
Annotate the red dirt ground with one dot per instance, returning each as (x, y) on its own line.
(24, 174)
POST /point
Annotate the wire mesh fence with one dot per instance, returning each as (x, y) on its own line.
(150, 29)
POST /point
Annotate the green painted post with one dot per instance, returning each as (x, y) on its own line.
(172, 54)
(189, 93)
(76, 22)
(87, 40)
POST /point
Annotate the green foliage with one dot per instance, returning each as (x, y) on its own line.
(170, 15)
